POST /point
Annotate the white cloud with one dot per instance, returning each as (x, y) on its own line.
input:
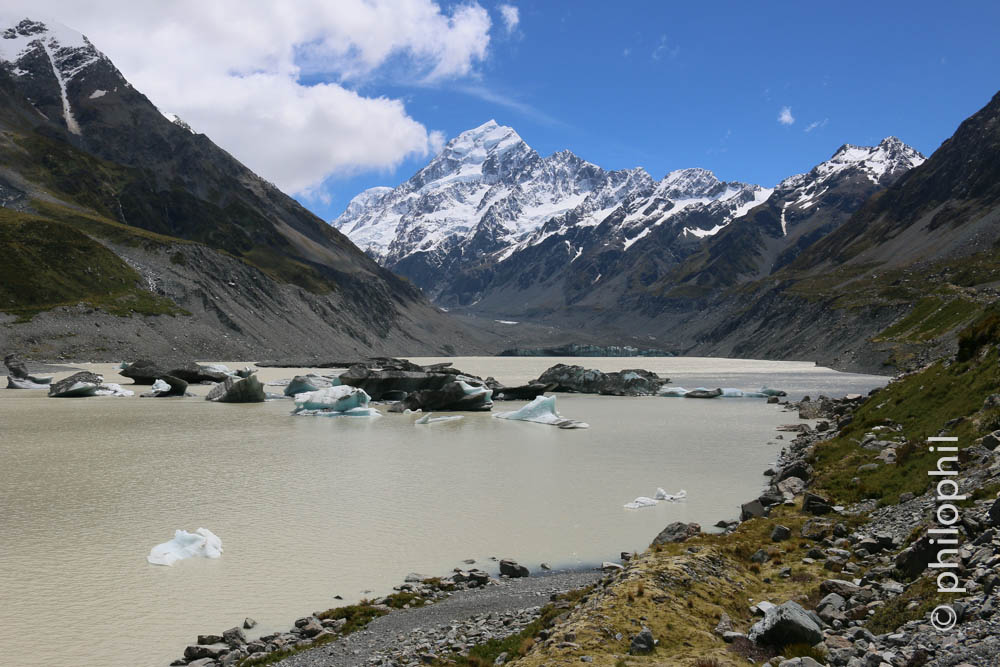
(511, 16)
(234, 70)
(663, 49)
(785, 116)
(816, 124)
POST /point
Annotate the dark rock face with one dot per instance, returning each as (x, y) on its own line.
(452, 396)
(629, 382)
(786, 624)
(752, 510)
(513, 569)
(994, 514)
(642, 643)
(231, 390)
(77, 385)
(677, 531)
(814, 504)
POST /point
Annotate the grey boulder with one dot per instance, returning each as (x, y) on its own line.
(786, 624)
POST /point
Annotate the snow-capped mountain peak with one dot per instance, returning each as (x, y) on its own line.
(65, 52)
(887, 160)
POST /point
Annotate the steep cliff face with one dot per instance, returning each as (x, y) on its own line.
(189, 238)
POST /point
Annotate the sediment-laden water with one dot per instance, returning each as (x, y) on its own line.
(308, 508)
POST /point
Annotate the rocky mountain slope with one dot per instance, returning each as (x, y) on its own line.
(871, 260)
(891, 285)
(117, 218)
(490, 227)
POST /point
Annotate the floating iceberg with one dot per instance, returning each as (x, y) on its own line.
(111, 389)
(160, 386)
(201, 542)
(644, 501)
(542, 410)
(427, 419)
(671, 497)
(767, 391)
(301, 384)
(739, 393)
(673, 392)
(640, 502)
(18, 383)
(336, 401)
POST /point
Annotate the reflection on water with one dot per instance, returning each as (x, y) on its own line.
(308, 508)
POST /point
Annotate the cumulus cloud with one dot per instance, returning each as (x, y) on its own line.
(511, 17)
(785, 116)
(816, 124)
(242, 72)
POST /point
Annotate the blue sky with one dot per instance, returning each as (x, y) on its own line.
(667, 86)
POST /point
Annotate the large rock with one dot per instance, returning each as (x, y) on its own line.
(752, 510)
(994, 514)
(678, 531)
(642, 643)
(231, 390)
(629, 382)
(815, 504)
(512, 569)
(76, 385)
(455, 395)
(786, 624)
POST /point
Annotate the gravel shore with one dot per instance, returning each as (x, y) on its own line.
(387, 633)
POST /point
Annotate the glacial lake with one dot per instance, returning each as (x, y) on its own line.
(311, 507)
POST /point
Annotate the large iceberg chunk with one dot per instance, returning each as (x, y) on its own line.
(673, 392)
(542, 410)
(342, 400)
(201, 542)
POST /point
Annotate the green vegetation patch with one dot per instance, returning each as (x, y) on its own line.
(930, 318)
(48, 264)
(922, 403)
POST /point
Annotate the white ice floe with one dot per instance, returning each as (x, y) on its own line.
(159, 385)
(679, 392)
(542, 410)
(641, 501)
(644, 501)
(427, 419)
(201, 542)
(339, 401)
(671, 497)
(111, 389)
(673, 392)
